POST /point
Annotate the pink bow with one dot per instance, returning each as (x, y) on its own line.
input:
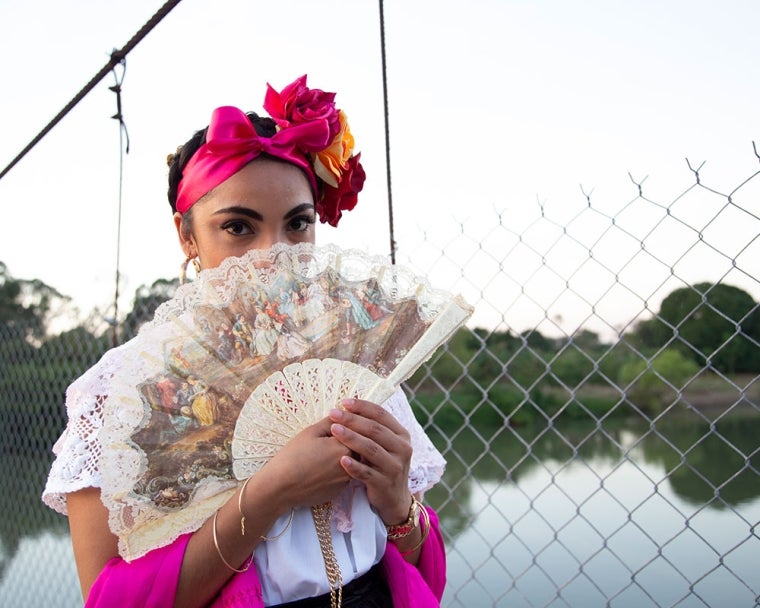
(232, 142)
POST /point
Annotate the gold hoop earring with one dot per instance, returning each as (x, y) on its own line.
(183, 268)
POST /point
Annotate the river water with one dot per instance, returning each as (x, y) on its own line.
(581, 516)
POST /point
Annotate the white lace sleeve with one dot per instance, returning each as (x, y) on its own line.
(427, 464)
(78, 449)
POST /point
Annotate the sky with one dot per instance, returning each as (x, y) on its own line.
(492, 105)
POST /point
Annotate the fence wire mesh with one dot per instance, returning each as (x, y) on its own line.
(599, 416)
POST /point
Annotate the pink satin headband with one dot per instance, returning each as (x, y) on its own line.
(312, 135)
(232, 142)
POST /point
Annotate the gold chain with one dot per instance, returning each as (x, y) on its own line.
(321, 515)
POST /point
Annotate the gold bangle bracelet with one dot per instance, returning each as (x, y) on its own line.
(240, 506)
(219, 551)
(285, 529)
(242, 516)
(425, 532)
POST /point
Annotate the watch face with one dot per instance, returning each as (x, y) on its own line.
(415, 515)
(406, 528)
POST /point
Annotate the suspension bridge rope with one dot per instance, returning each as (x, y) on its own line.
(117, 56)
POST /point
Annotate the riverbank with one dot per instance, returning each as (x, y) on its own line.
(709, 394)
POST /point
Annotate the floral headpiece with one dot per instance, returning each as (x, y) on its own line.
(311, 133)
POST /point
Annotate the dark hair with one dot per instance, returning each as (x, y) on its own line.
(264, 126)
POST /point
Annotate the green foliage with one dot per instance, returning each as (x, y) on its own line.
(536, 341)
(653, 385)
(79, 347)
(459, 408)
(24, 306)
(573, 366)
(480, 377)
(490, 353)
(146, 301)
(713, 324)
(528, 368)
(512, 402)
(615, 357)
(450, 364)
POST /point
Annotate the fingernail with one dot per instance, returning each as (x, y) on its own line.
(336, 414)
(348, 402)
(337, 429)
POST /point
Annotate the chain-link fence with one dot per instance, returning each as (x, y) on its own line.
(599, 416)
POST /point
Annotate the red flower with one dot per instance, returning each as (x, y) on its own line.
(340, 175)
(297, 104)
(343, 198)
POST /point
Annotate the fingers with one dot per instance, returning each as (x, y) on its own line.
(381, 443)
(307, 470)
(321, 428)
(381, 454)
(368, 429)
(373, 411)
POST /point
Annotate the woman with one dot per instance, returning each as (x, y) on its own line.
(248, 182)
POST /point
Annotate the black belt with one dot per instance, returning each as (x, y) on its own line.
(370, 590)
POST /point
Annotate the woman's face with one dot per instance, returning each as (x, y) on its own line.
(264, 203)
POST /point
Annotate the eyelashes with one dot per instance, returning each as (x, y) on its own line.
(241, 227)
(237, 227)
(302, 222)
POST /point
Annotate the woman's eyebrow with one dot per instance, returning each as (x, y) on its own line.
(299, 209)
(242, 211)
(257, 216)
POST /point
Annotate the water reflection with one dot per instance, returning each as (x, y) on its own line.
(697, 459)
(41, 573)
(570, 514)
(582, 514)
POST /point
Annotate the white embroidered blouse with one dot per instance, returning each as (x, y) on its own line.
(290, 567)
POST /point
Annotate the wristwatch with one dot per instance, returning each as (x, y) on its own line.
(407, 527)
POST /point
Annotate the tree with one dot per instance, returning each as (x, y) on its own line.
(25, 306)
(448, 365)
(712, 324)
(147, 300)
(491, 351)
(575, 361)
(654, 385)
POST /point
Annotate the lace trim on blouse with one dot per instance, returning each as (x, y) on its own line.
(78, 449)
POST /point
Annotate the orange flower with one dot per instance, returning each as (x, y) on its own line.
(330, 163)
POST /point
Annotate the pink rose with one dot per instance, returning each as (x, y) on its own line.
(343, 198)
(298, 104)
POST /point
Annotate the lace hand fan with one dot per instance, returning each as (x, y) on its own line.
(241, 360)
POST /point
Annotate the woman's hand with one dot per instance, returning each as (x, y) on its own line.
(381, 451)
(307, 470)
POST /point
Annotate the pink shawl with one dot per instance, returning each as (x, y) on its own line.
(151, 581)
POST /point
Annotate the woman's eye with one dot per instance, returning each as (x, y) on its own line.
(237, 228)
(301, 223)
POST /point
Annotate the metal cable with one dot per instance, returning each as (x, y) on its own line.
(387, 137)
(116, 57)
(122, 150)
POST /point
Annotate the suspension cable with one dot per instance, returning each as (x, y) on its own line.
(387, 137)
(116, 57)
(123, 134)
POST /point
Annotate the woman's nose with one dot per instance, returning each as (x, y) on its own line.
(269, 238)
